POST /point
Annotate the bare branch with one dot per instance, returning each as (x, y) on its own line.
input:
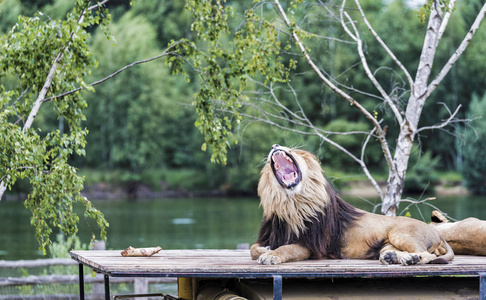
(164, 54)
(343, 24)
(282, 112)
(462, 47)
(425, 201)
(445, 17)
(358, 160)
(384, 46)
(266, 115)
(367, 172)
(323, 135)
(309, 60)
(366, 67)
(330, 84)
(445, 123)
(285, 107)
(97, 5)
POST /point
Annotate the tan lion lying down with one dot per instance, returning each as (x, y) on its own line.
(465, 237)
(303, 217)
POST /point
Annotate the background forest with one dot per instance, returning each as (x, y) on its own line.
(141, 122)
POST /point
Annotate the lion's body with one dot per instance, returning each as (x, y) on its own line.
(466, 237)
(387, 233)
(305, 218)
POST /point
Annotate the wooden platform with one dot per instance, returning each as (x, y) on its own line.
(238, 264)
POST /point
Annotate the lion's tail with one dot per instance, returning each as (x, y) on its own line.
(446, 257)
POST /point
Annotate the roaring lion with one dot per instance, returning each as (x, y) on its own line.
(303, 217)
(467, 236)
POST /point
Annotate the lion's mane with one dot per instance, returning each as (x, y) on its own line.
(313, 216)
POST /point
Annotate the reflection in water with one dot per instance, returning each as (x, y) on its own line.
(183, 221)
(219, 223)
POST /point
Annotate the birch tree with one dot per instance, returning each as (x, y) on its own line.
(39, 59)
(247, 79)
(43, 63)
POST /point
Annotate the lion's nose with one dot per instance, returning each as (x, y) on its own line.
(275, 146)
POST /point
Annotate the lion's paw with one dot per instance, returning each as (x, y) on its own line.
(256, 252)
(269, 259)
(410, 259)
(389, 258)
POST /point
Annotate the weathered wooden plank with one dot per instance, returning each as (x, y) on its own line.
(177, 262)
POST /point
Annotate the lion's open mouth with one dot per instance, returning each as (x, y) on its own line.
(285, 169)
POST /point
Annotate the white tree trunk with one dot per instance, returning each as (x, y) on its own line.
(396, 176)
(409, 126)
(3, 188)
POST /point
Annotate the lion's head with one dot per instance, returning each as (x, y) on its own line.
(292, 186)
(299, 205)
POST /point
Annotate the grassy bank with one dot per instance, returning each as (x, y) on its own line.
(184, 182)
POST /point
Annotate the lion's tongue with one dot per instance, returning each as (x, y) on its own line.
(285, 167)
(289, 178)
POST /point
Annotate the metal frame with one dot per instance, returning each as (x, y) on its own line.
(164, 296)
(278, 277)
(482, 286)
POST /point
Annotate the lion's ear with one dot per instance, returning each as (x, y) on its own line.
(438, 217)
(434, 219)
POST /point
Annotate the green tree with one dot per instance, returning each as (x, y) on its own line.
(472, 145)
(40, 58)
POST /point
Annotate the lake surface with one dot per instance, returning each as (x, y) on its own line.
(219, 223)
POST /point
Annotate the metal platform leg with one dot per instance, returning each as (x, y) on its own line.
(277, 287)
(107, 287)
(81, 282)
(482, 286)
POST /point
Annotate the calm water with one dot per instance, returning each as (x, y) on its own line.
(182, 223)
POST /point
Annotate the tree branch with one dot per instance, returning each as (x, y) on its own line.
(366, 67)
(286, 115)
(462, 47)
(165, 53)
(384, 46)
(328, 82)
(97, 5)
(367, 172)
(445, 17)
(302, 120)
(443, 124)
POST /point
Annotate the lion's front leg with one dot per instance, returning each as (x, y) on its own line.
(256, 250)
(286, 253)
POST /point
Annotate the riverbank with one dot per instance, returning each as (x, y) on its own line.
(359, 188)
(137, 190)
(365, 189)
